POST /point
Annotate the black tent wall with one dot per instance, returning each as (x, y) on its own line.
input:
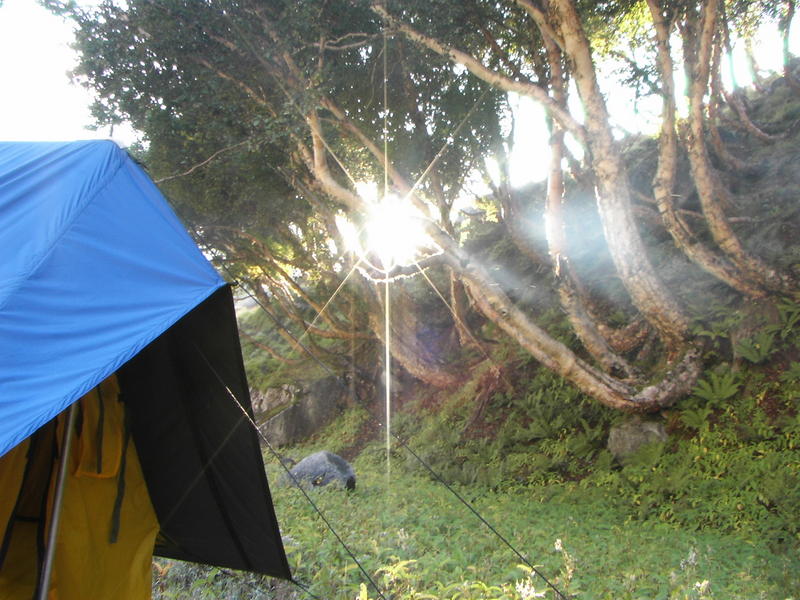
(199, 454)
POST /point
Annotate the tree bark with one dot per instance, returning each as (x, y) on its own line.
(570, 292)
(493, 302)
(404, 344)
(752, 64)
(554, 355)
(290, 362)
(491, 77)
(785, 27)
(734, 97)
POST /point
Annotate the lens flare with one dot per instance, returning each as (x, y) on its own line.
(393, 231)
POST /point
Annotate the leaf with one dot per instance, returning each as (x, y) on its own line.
(757, 349)
(717, 387)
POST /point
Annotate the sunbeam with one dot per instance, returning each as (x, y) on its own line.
(393, 231)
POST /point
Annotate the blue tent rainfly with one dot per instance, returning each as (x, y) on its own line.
(95, 266)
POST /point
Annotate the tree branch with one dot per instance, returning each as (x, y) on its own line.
(489, 76)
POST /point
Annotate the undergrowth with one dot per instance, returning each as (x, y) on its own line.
(710, 513)
(417, 542)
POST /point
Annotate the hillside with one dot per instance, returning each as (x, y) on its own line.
(529, 450)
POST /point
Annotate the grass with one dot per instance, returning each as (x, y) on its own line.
(711, 514)
(445, 552)
(418, 542)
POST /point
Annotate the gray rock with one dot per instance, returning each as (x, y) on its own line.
(625, 439)
(323, 468)
(273, 398)
(310, 411)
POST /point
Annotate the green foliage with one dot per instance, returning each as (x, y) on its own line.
(717, 387)
(724, 491)
(789, 314)
(177, 580)
(542, 431)
(732, 464)
(758, 349)
(418, 542)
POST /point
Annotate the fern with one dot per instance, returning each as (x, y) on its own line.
(757, 349)
(717, 388)
(792, 374)
(789, 315)
(696, 418)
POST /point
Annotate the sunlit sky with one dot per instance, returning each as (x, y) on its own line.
(39, 102)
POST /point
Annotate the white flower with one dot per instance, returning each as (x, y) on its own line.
(526, 590)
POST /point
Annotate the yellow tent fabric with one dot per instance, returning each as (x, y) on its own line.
(108, 526)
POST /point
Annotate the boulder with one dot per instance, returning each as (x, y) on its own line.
(268, 401)
(323, 468)
(309, 411)
(627, 438)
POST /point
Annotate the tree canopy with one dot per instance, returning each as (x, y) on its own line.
(261, 117)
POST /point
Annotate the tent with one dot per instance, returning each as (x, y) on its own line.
(107, 305)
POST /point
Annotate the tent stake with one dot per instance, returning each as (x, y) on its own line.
(58, 501)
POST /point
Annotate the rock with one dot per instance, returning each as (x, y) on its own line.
(309, 412)
(625, 439)
(323, 468)
(268, 401)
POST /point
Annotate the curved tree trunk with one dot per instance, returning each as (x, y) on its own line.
(519, 226)
(494, 303)
(404, 344)
(647, 291)
(734, 98)
(664, 179)
(785, 27)
(570, 292)
(697, 49)
(752, 64)
(458, 306)
(556, 356)
(627, 338)
(714, 102)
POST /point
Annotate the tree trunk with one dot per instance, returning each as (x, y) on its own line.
(785, 27)
(613, 195)
(625, 339)
(404, 344)
(556, 356)
(716, 91)
(664, 179)
(697, 48)
(570, 291)
(459, 311)
(734, 98)
(752, 64)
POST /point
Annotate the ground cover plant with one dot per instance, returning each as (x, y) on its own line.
(711, 513)
(417, 542)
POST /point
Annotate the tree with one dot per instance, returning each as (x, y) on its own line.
(288, 97)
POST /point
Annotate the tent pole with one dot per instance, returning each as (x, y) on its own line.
(58, 501)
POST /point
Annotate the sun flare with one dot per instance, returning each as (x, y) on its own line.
(393, 231)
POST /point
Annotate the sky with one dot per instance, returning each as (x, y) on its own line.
(38, 102)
